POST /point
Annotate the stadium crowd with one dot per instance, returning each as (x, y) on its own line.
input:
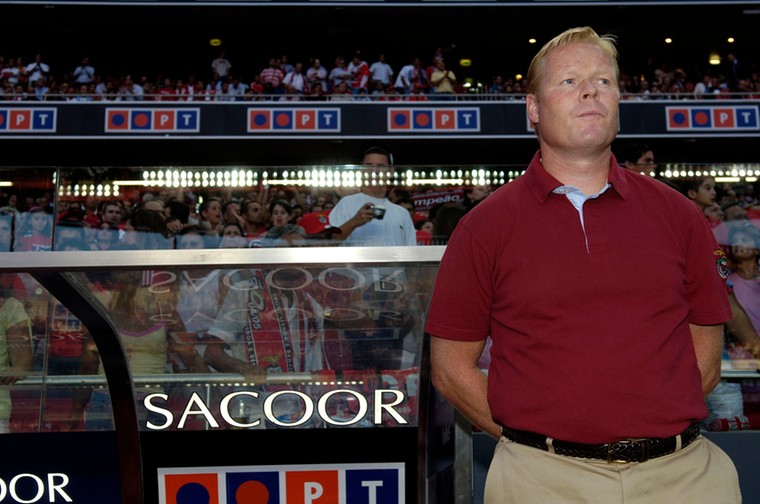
(254, 217)
(348, 79)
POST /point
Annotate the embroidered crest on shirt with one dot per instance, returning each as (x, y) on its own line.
(721, 263)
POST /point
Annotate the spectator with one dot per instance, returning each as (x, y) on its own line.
(280, 212)
(445, 220)
(37, 70)
(342, 93)
(636, 156)
(7, 221)
(381, 72)
(41, 90)
(316, 74)
(211, 216)
(144, 230)
(443, 81)
(287, 235)
(255, 218)
(359, 70)
(701, 191)
(368, 217)
(272, 77)
(130, 90)
(10, 72)
(232, 236)
(221, 65)
(37, 232)
(84, 73)
(295, 81)
(404, 79)
(339, 74)
(192, 237)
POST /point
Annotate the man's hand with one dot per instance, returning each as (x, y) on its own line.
(363, 216)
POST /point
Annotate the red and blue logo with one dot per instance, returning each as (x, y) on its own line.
(288, 120)
(439, 120)
(27, 120)
(381, 483)
(713, 118)
(152, 120)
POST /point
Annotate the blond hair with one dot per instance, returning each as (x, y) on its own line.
(579, 35)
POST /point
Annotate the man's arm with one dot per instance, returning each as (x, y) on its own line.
(20, 349)
(456, 375)
(217, 358)
(362, 217)
(708, 346)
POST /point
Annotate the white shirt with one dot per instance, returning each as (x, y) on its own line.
(394, 229)
(381, 72)
(404, 77)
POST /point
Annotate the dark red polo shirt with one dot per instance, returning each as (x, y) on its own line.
(591, 339)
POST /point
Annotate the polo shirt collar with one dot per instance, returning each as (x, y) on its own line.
(541, 184)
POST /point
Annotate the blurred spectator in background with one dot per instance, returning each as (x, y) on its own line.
(84, 73)
(221, 65)
(636, 156)
(15, 346)
(36, 233)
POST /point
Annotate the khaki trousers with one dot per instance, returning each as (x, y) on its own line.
(701, 473)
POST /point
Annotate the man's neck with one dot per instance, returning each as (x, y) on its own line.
(589, 173)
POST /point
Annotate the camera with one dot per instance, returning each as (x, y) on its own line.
(378, 212)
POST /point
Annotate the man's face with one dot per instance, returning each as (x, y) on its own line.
(112, 214)
(254, 214)
(645, 163)
(380, 164)
(376, 159)
(576, 105)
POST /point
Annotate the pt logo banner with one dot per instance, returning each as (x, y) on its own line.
(433, 120)
(293, 120)
(153, 120)
(27, 120)
(713, 118)
(295, 484)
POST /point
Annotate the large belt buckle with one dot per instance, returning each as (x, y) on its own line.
(643, 443)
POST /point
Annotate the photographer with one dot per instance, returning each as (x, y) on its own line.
(368, 218)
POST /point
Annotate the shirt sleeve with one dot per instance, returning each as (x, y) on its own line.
(462, 296)
(706, 273)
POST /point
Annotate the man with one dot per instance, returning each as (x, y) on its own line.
(636, 156)
(256, 216)
(604, 316)
(381, 71)
(84, 73)
(443, 81)
(37, 70)
(15, 346)
(359, 70)
(112, 212)
(272, 77)
(221, 65)
(368, 217)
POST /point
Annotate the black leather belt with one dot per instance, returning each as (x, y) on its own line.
(627, 450)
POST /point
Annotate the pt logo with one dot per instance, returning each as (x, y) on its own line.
(381, 483)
